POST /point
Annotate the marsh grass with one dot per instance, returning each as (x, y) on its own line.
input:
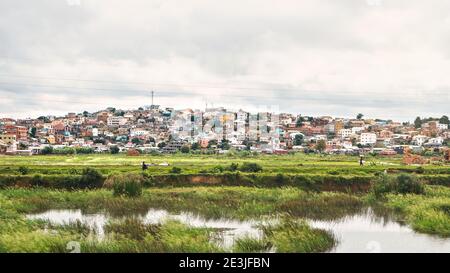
(426, 212)
(252, 245)
(126, 184)
(288, 236)
(133, 228)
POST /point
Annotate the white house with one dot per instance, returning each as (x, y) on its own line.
(368, 139)
(442, 127)
(419, 139)
(437, 141)
(344, 133)
(138, 132)
(357, 130)
(117, 121)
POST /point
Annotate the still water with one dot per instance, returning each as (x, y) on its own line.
(367, 233)
(362, 232)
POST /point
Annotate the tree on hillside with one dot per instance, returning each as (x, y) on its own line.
(298, 140)
(299, 122)
(225, 144)
(418, 123)
(136, 141)
(321, 145)
(119, 113)
(114, 150)
(185, 149)
(33, 132)
(444, 120)
(44, 119)
(359, 116)
(195, 146)
(211, 143)
(161, 145)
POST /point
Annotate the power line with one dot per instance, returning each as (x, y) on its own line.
(306, 96)
(276, 87)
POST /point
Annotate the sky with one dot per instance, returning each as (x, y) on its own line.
(383, 58)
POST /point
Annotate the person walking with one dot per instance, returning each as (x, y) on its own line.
(144, 166)
(361, 161)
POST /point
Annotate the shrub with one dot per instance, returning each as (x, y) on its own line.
(23, 170)
(383, 185)
(114, 150)
(250, 167)
(73, 171)
(91, 178)
(217, 169)
(420, 170)
(47, 150)
(175, 170)
(64, 151)
(409, 184)
(280, 179)
(185, 149)
(84, 150)
(233, 167)
(37, 180)
(403, 184)
(126, 184)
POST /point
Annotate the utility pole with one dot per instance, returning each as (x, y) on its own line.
(153, 94)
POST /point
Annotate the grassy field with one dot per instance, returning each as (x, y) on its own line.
(426, 213)
(296, 163)
(273, 192)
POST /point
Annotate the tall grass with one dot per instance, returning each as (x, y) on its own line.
(126, 184)
(400, 184)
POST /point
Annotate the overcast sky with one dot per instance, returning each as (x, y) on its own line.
(382, 58)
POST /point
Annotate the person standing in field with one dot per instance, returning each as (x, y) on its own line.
(144, 166)
(361, 161)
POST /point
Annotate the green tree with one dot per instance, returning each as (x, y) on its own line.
(225, 144)
(250, 167)
(195, 146)
(114, 150)
(359, 116)
(33, 132)
(418, 123)
(47, 150)
(321, 145)
(212, 142)
(44, 119)
(136, 141)
(298, 140)
(185, 149)
(175, 170)
(119, 113)
(444, 120)
(90, 178)
(162, 145)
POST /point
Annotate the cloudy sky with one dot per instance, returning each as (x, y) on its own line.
(383, 58)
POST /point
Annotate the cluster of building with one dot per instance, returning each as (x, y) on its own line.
(166, 130)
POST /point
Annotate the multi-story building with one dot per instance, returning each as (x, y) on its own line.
(116, 121)
(345, 133)
(20, 132)
(368, 139)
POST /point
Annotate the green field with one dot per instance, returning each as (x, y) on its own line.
(289, 188)
(288, 164)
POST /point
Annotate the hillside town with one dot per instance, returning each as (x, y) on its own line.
(154, 129)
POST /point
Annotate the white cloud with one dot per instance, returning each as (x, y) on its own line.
(313, 56)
